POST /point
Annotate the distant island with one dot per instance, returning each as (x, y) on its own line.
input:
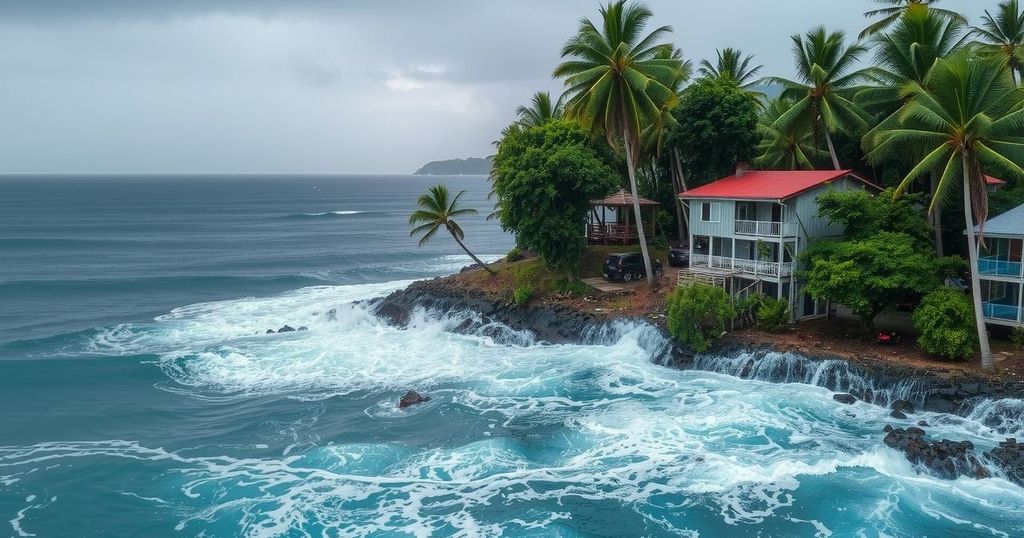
(457, 167)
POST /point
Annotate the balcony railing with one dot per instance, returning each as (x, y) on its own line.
(994, 265)
(1003, 312)
(764, 228)
(737, 265)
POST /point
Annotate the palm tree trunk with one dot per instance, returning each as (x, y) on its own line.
(675, 170)
(972, 254)
(936, 216)
(471, 255)
(832, 150)
(641, 235)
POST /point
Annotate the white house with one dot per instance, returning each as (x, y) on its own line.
(747, 230)
(1000, 268)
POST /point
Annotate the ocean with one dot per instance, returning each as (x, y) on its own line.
(140, 394)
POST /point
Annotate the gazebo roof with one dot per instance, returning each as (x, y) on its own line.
(622, 199)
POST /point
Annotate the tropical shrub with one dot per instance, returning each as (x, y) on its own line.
(522, 294)
(515, 254)
(1017, 337)
(697, 314)
(772, 314)
(945, 324)
(574, 288)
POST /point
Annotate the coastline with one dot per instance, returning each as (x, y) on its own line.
(750, 354)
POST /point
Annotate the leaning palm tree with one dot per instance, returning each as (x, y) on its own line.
(792, 148)
(1003, 35)
(540, 110)
(823, 97)
(896, 8)
(732, 63)
(967, 120)
(618, 80)
(436, 210)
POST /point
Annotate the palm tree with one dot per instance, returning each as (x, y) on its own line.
(435, 210)
(540, 111)
(619, 79)
(1003, 34)
(734, 64)
(823, 96)
(791, 148)
(967, 119)
(897, 8)
(907, 53)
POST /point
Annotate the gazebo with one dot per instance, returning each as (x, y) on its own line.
(619, 230)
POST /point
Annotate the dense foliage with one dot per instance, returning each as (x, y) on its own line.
(772, 314)
(870, 274)
(863, 215)
(716, 128)
(945, 324)
(544, 178)
(697, 314)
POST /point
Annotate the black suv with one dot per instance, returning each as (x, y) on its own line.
(628, 266)
(679, 257)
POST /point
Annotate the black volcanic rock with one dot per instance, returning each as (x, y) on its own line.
(412, 398)
(944, 459)
(1009, 455)
(903, 406)
(844, 398)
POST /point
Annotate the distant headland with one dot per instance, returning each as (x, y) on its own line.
(457, 167)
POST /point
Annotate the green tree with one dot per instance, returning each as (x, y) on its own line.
(864, 215)
(967, 120)
(697, 313)
(944, 322)
(715, 127)
(540, 110)
(896, 8)
(785, 147)
(823, 97)
(618, 80)
(1002, 35)
(544, 178)
(437, 209)
(733, 64)
(868, 275)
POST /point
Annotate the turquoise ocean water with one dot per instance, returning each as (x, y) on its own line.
(140, 395)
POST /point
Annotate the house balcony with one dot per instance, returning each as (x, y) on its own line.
(765, 228)
(998, 312)
(999, 266)
(739, 265)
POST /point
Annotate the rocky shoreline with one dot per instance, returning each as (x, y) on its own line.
(902, 388)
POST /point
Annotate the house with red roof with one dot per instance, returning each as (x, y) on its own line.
(748, 229)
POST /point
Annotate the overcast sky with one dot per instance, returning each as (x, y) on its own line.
(317, 86)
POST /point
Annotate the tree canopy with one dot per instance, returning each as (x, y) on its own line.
(544, 178)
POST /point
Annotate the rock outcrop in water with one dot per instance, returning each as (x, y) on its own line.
(944, 459)
(412, 398)
(1009, 456)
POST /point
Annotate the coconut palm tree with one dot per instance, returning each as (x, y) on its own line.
(896, 8)
(907, 53)
(734, 64)
(966, 119)
(618, 80)
(540, 110)
(904, 55)
(436, 209)
(1003, 35)
(823, 98)
(791, 148)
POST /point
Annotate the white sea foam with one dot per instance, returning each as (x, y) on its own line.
(554, 426)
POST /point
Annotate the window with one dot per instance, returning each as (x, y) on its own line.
(746, 211)
(710, 212)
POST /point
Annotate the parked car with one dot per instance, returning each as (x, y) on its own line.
(679, 257)
(629, 266)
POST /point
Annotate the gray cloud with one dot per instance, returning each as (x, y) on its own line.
(318, 85)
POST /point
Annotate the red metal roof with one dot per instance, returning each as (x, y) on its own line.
(769, 184)
(989, 180)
